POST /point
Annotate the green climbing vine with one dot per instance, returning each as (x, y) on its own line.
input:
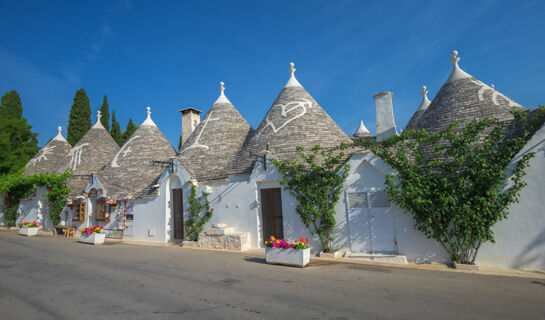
(316, 183)
(455, 183)
(197, 218)
(17, 186)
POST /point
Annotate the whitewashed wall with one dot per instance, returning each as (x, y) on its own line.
(3, 222)
(367, 173)
(520, 239)
(35, 210)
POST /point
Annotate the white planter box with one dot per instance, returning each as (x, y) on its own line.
(289, 257)
(93, 238)
(29, 232)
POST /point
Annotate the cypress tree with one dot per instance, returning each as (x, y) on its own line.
(11, 106)
(115, 132)
(105, 113)
(18, 143)
(129, 130)
(180, 144)
(79, 121)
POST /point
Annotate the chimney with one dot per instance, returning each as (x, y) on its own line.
(191, 118)
(386, 126)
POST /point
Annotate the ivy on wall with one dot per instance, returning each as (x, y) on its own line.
(17, 186)
(453, 182)
(316, 183)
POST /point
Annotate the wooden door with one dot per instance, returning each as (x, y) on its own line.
(271, 212)
(178, 213)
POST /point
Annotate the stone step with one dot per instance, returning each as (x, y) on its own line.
(376, 257)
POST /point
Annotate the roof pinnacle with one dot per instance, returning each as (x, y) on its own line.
(454, 59)
(292, 82)
(98, 124)
(59, 135)
(292, 67)
(222, 98)
(425, 101)
(148, 121)
(456, 73)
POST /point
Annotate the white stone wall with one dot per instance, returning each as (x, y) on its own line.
(3, 222)
(520, 239)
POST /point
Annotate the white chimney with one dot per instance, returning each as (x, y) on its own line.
(191, 117)
(386, 126)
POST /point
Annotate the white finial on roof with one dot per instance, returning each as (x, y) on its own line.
(148, 121)
(222, 98)
(59, 135)
(98, 124)
(292, 82)
(456, 73)
(362, 131)
(454, 59)
(425, 101)
(492, 86)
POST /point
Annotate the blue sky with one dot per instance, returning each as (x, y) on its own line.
(173, 55)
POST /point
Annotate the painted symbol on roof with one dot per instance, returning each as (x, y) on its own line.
(75, 154)
(495, 94)
(197, 144)
(42, 155)
(126, 149)
(290, 112)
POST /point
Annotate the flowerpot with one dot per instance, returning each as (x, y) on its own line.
(290, 257)
(29, 232)
(93, 238)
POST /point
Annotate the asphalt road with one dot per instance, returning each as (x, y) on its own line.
(57, 278)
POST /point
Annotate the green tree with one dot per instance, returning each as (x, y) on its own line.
(115, 131)
(18, 143)
(11, 106)
(129, 130)
(180, 144)
(197, 218)
(316, 183)
(105, 113)
(453, 182)
(79, 121)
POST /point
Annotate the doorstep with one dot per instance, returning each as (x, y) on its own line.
(390, 258)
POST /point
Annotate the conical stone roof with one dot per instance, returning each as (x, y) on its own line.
(463, 98)
(295, 119)
(420, 111)
(89, 155)
(49, 157)
(130, 173)
(210, 151)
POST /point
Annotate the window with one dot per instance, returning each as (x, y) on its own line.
(379, 199)
(104, 210)
(78, 211)
(101, 211)
(110, 211)
(357, 200)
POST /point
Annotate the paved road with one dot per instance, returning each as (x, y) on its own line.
(57, 278)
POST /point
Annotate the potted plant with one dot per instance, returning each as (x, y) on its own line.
(279, 251)
(92, 235)
(29, 229)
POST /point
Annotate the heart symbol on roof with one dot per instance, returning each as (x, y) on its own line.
(288, 113)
